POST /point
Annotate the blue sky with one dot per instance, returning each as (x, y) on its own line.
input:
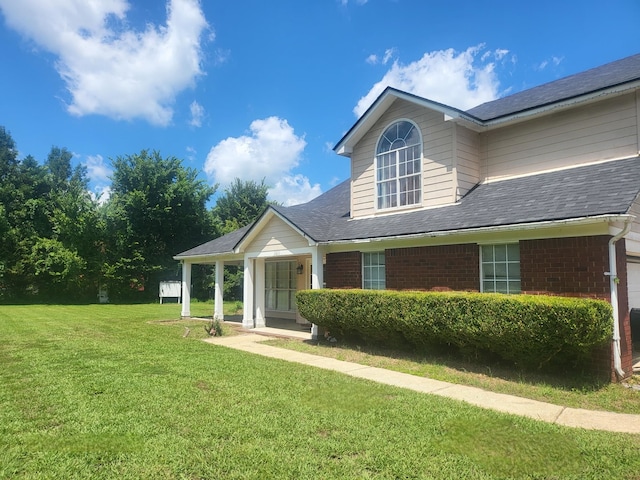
(264, 89)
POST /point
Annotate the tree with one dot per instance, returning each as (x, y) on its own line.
(49, 228)
(157, 209)
(242, 203)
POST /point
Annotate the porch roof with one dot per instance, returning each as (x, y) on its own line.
(602, 189)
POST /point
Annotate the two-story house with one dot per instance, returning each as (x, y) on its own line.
(536, 192)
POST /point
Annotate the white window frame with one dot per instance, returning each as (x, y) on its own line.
(380, 269)
(508, 266)
(397, 178)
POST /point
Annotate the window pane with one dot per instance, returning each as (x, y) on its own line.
(514, 270)
(399, 155)
(501, 268)
(513, 251)
(373, 271)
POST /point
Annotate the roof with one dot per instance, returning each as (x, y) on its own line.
(608, 188)
(600, 79)
(590, 81)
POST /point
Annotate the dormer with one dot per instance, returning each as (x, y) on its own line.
(407, 154)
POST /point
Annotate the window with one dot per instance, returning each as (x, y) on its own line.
(398, 166)
(373, 272)
(501, 268)
(280, 286)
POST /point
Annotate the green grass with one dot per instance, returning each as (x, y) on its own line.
(109, 391)
(567, 390)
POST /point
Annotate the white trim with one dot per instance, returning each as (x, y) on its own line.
(496, 229)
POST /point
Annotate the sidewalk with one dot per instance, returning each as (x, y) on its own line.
(547, 412)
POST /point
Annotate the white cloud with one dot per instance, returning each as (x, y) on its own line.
(97, 170)
(270, 151)
(191, 153)
(294, 189)
(545, 63)
(101, 194)
(110, 69)
(99, 173)
(444, 76)
(373, 59)
(197, 114)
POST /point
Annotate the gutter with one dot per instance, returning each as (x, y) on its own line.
(492, 229)
(613, 282)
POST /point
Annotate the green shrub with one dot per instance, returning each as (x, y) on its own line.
(526, 330)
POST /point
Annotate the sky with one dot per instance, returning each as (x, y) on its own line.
(261, 89)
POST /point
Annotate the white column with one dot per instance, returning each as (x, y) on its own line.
(186, 289)
(218, 296)
(317, 279)
(259, 282)
(317, 274)
(247, 298)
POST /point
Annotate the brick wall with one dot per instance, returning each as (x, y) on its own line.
(444, 267)
(566, 266)
(344, 270)
(573, 266)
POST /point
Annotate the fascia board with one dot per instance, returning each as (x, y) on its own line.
(497, 229)
(344, 147)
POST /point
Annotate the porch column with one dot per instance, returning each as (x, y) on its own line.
(317, 279)
(247, 297)
(186, 289)
(218, 296)
(259, 292)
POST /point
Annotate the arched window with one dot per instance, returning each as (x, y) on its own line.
(398, 165)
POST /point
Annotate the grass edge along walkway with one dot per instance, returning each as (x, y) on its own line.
(537, 410)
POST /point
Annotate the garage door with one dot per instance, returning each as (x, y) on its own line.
(633, 279)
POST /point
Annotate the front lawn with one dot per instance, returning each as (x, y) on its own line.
(119, 391)
(577, 391)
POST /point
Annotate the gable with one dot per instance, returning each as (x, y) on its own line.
(276, 236)
(448, 150)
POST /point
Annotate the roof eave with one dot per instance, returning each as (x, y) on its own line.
(570, 102)
(589, 220)
(345, 145)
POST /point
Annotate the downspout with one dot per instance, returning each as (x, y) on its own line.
(613, 282)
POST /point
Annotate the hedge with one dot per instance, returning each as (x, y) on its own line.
(530, 331)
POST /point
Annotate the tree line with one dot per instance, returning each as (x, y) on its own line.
(58, 242)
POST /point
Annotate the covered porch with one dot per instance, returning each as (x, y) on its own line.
(277, 260)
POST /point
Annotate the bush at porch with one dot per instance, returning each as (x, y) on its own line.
(529, 331)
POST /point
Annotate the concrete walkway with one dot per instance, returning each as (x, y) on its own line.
(547, 412)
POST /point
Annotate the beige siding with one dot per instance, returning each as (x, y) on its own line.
(601, 131)
(277, 235)
(468, 159)
(437, 177)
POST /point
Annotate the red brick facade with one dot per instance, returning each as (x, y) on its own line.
(566, 266)
(444, 267)
(344, 270)
(573, 266)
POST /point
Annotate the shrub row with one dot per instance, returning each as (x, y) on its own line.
(529, 331)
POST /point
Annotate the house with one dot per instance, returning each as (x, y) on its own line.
(536, 192)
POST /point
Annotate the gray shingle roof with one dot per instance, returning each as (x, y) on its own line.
(600, 78)
(608, 188)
